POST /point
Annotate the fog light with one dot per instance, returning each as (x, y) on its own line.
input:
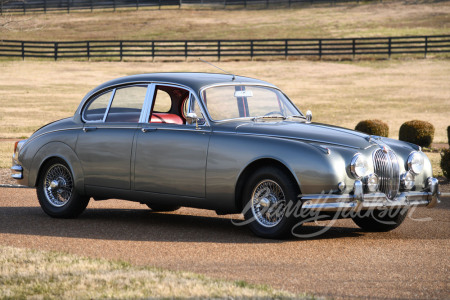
(407, 180)
(371, 182)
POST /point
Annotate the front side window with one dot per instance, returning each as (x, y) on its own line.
(127, 104)
(240, 101)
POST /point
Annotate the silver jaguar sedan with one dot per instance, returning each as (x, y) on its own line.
(221, 142)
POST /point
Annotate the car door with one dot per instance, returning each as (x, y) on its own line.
(105, 145)
(170, 157)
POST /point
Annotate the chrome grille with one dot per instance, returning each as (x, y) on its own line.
(387, 169)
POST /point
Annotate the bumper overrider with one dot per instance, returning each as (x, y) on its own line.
(358, 200)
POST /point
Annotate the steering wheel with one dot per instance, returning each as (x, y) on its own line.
(273, 113)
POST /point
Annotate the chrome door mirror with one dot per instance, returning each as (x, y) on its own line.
(308, 116)
(192, 118)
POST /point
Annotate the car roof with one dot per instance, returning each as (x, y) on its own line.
(195, 81)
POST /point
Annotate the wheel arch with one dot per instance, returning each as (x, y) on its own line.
(61, 151)
(254, 165)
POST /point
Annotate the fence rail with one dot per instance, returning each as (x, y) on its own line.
(44, 6)
(244, 49)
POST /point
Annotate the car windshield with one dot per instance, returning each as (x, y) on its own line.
(247, 101)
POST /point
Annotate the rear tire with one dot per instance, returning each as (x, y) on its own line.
(56, 191)
(162, 208)
(381, 220)
(267, 194)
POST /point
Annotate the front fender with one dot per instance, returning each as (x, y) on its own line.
(63, 151)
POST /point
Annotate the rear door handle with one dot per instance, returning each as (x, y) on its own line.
(147, 129)
(88, 128)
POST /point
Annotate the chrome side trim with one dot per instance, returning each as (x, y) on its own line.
(52, 131)
(183, 129)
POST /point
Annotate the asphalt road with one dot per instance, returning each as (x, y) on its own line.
(412, 261)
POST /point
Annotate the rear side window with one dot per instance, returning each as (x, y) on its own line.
(95, 111)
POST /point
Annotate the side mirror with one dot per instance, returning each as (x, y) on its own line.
(192, 118)
(308, 116)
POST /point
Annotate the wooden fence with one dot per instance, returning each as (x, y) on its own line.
(242, 49)
(44, 6)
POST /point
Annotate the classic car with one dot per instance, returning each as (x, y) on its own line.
(221, 142)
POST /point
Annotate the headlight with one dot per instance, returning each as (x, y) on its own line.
(407, 180)
(358, 166)
(415, 162)
(371, 182)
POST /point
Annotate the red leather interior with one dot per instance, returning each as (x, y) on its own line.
(166, 118)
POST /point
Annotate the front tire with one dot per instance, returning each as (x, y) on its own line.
(381, 220)
(56, 191)
(268, 193)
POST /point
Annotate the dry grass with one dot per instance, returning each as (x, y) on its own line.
(6, 152)
(380, 19)
(51, 275)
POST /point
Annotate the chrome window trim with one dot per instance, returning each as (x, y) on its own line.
(109, 105)
(191, 92)
(88, 102)
(242, 83)
(112, 88)
(148, 102)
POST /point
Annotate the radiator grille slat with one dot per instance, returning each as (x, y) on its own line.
(388, 171)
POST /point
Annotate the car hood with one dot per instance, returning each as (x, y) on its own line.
(308, 132)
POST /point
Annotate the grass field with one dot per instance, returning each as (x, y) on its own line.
(53, 275)
(393, 18)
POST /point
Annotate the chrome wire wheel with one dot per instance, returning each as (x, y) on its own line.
(268, 203)
(58, 185)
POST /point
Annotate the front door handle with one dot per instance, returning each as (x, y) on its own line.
(88, 128)
(147, 129)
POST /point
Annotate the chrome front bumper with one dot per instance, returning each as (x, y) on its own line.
(360, 201)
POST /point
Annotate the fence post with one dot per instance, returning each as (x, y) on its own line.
(245, 3)
(286, 48)
(320, 49)
(389, 47)
(121, 50)
(267, 3)
(1, 7)
(426, 47)
(24, 7)
(137, 4)
(218, 50)
(56, 51)
(45, 6)
(23, 50)
(180, 3)
(92, 5)
(153, 50)
(114, 4)
(185, 50)
(68, 6)
(354, 48)
(251, 49)
(88, 50)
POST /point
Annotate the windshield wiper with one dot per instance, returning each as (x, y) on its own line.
(269, 118)
(296, 116)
